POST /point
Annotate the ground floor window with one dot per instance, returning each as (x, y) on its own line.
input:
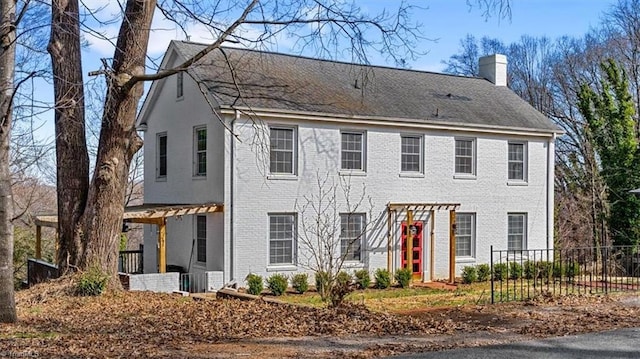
(282, 229)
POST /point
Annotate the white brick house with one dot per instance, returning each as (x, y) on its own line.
(256, 144)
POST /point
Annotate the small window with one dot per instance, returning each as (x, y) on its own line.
(282, 231)
(352, 227)
(352, 151)
(517, 161)
(465, 157)
(201, 238)
(517, 231)
(465, 234)
(282, 154)
(179, 84)
(200, 151)
(411, 154)
(161, 159)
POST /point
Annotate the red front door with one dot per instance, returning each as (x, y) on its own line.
(416, 263)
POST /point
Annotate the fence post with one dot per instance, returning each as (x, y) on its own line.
(141, 258)
(491, 275)
(604, 270)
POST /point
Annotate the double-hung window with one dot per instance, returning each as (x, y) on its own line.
(352, 153)
(352, 226)
(411, 154)
(201, 238)
(516, 231)
(465, 156)
(465, 234)
(282, 154)
(161, 157)
(517, 161)
(282, 232)
(200, 151)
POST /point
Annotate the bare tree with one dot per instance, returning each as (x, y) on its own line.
(7, 65)
(334, 223)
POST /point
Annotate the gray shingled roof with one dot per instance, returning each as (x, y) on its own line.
(292, 83)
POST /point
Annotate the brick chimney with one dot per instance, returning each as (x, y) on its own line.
(494, 69)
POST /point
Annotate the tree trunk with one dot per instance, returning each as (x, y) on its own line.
(7, 66)
(71, 149)
(102, 218)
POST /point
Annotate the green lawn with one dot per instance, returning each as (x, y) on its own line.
(403, 299)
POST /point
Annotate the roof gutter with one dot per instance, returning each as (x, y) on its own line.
(390, 121)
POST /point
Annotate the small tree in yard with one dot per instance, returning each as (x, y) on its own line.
(333, 230)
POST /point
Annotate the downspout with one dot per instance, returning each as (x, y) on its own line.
(550, 188)
(232, 146)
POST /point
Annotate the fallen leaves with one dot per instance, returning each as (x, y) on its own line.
(54, 323)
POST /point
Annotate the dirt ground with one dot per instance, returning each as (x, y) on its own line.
(55, 324)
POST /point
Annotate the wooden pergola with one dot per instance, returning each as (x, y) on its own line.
(148, 214)
(411, 209)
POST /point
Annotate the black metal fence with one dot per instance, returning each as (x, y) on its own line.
(130, 262)
(524, 274)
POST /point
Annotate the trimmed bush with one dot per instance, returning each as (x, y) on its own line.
(322, 284)
(403, 277)
(363, 279)
(278, 284)
(558, 270)
(469, 274)
(342, 286)
(572, 269)
(544, 269)
(383, 278)
(500, 271)
(484, 272)
(300, 282)
(530, 270)
(254, 283)
(92, 282)
(515, 270)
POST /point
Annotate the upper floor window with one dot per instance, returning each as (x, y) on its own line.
(201, 238)
(282, 231)
(200, 150)
(516, 231)
(517, 166)
(465, 162)
(411, 154)
(282, 154)
(161, 157)
(352, 153)
(352, 227)
(465, 234)
(179, 84)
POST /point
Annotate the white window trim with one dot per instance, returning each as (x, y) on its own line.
(525, 165)
(525, 235)
(294, 157)
(474, 159)
(471, 257)
(179, 86)
(195, 235)
(196, 174)
(420, 172)
(164, 176)
(274, 267)
(354, 172)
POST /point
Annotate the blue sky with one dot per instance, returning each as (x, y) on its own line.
(445, 22)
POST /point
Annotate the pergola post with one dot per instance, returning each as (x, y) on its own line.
(452, 246)
(38, 242)
(432, 243)
(162, 245)
(389, 234)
